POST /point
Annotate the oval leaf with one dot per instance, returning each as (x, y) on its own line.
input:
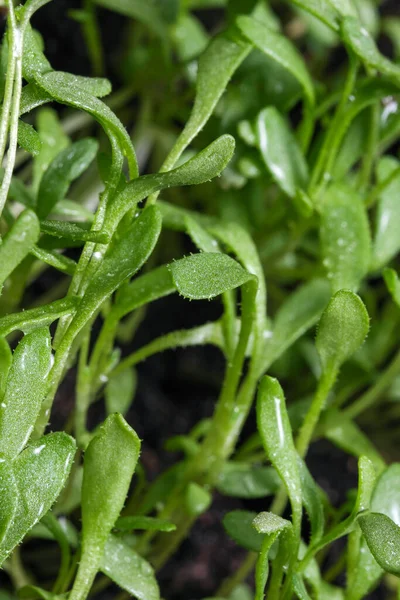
(25, 390)
(276, 434)
(342, 329)
(280, 151)
(345, 238)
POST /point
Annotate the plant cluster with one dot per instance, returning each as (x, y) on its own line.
(276, 134)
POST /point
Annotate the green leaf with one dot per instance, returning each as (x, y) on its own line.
(244, 481)
(385, 499)
(312, 499)
(8, 498)
(34, 62)
(297, 315)
(144, 523)
(73, 232)
(197, 499)
(129, 570)
(392, 284)
(28, 138)
(239, 526)
(64, 91)
(54, 259)
(122, 261)
(345, 237)
(386, 241)
(275, 431)
(24, 392)
(383, 539)
(51, 134)
(40, 472)
(120, 391)
(142, 290)
(147, 12)
(271, 526)
(190, 37)
(110, 462)
(279, 48)
(363, 46)
(67, 166)
(346, 434)
(18, 242)
(31, 319)
(324, 11)
(5, 364)
(205, 165)
(216, 66)
(280, 151)
(207, 275)
(342, 330)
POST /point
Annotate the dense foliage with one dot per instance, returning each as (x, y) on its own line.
(269, 132)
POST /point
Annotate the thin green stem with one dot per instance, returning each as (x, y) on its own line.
(239, 576)
(329, 148)
(372, 396)
(311, 420)
(82, 393)
(370, 153)
(381, 187)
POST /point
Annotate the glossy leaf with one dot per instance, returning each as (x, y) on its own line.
(342, 330)
(64, 91)
(383, 539)
(18, 242)
(275, 431)
(73, 232)
(24, 392)
(67, 166)
(363, 46)
(386, 240)
(216, 66)
(207, 275)
(122, 261)
(119, 392)
(279, 48)
(280, 151)
(144, 523)
(345, 238)
(129, 570)
(110, 462)
(40, 472)
(244, 481)
(239, 526)
(31, 319)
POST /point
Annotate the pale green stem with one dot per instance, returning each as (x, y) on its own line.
(375, 392)
(15, 50)
(9, 85)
